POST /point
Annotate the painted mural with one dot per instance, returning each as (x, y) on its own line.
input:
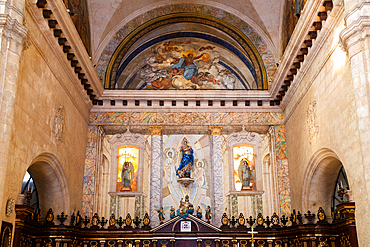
(186, 118)
(78, 10)
(127, 168)
(244, 169)
(90, 171)
(129, 27)
(282, 170)
(186, 64)
(198, 191)
(292, 13)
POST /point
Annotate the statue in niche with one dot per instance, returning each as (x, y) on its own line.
(127, 175)
(187, 160)
(245, 174)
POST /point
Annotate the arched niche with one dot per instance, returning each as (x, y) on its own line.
(51, 182)
(126, 139)
(319, 181)
(252, 139)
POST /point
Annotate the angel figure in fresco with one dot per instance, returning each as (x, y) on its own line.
(161, 213)
(187, 160)
(168, 165)
(244, 173)
(200, 174)
(127, 175)
(189, 66)
(208, 214)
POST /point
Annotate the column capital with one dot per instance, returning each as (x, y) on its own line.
(215, 130)
(156, 130)
(357, 29)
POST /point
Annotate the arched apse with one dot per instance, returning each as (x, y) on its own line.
(319, 180)
(52, 186)
(220, 14)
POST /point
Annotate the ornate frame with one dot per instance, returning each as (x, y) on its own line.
(117, 141)
(250, 138)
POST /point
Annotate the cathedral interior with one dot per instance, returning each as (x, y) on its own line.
(205, 123)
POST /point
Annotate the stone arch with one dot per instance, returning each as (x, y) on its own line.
(52, 187)
(319, 181)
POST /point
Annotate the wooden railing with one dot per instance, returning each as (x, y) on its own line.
(308, 230)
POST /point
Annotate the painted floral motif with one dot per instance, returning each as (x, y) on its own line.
(89, 172)
(185, 118)
(282, 170)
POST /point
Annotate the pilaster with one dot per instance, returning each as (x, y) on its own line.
(355, 40)
(216, 171)
(156, 161)
(12, 39)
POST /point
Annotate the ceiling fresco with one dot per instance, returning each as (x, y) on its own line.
(247, 65)
(186, 63)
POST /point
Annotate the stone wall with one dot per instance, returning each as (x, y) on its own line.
(322, 116)
(35, 131)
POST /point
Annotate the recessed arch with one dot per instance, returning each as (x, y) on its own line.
(260, 42)
(52, 187)
(319, 180)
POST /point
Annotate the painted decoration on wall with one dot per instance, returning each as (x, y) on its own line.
(206, 12)
(186, 63)
(244, 168)
(78, 10)
(198, 191)
(127, 168)
(292, 13)
(282, 170)
(90, 171)
(186, 118)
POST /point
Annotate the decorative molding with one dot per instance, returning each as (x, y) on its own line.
(47, 46)
(156, 130)
(353, 36)
(186, 118)
(9, 207)
(119, 140)
(294, 96)
(249, 138)
(127, 138)
(313, 127)
(70, 33)
(215, 130)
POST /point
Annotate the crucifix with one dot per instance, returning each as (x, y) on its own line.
(252, 239)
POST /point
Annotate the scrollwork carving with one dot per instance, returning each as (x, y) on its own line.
(313, 127)
(58, 123)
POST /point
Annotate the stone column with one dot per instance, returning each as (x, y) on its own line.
(355, 38)
(216, 171)
(156, 163)
(12, 39)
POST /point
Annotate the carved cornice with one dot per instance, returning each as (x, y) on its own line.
(243, 137)
(13, 29)
(127, 138)
(156, 130)
(353, 36)
(215, 130)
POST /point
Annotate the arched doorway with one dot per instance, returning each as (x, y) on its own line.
(319, 181)
(52, 190)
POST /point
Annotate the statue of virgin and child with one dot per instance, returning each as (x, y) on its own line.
(187, 160)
